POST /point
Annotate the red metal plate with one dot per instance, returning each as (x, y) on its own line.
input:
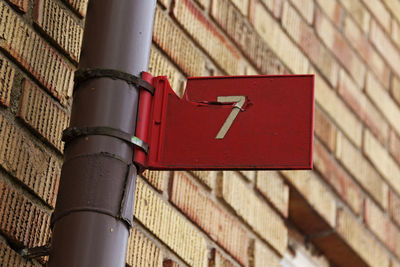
(272, 130)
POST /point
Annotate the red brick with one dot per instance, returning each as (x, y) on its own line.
(42, 114)
(207, 36)
(35, 168)
(60, 26)
(10, 258)
(35, 55)
(324, 129)
(21, 5)
(209, 216)
(7, 73)
(394, 207)
(394, 146)
(79, 6)
(253, 47)
(331, 171)
(22, 222)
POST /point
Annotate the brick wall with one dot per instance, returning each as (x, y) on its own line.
(346, 212)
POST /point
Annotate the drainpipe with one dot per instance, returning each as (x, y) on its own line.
(94, 207)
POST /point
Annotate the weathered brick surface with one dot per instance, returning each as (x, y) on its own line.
(261, 255)
(59, 26)
(316, 193)
(40, 112)
(333, 9)
(177, 45)
(254, 211)
(22, 5)
(207, 36)
(331, 172)
(170, 263)
(394, 207)
(309, 43)
(361, 241)
(38, 170)
(141, 251)
(382, 160)
(21, 221)
(218, 260)
(361, 170)
(169, 226)
(340, 48)
(275, 6)
(7, 72)
(324, 129)
(218, 224)
(79, 6)
(242, 5)
(382, 227)
(272, 187)
(277, 40)
(206, 177)
(306, 9)
(36, 56)
(339, 112)
(362, 106)
(384, 102)
(238, 28)
(10, 258)
(394, 146)
(156, 179)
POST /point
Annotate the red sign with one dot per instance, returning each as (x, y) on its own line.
(241, 122)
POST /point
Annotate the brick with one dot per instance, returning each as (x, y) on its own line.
(203, 3)
(340, 48)
(324, 129)
(209, 217)
(21, 5)
(395, 263)
(358, 11)
(249, 175)
(206, 177)
(37, 57)
(394, 146)
(261, 255)
(382, 227)
(394, 207)
(271, 185)
(337, 177)
(177, 46)
(337, 110)
(254, 211)
(362, 106)
(396, 89)
(244, 36)
(169, 263)
(159, 65)
(309, 43)
(395, 32)
(394, 7)
(316, 194)
(277, 40)
(156, 179)
(385, 46)
(169, 226)
(360, 240)
(35, 168)
(306, 9)
(79, 6)
(10, 258)
(358, 40)
(242, 5)
(164, 3)
(207, 36)
(60, 26)
(7, 72)
(333, 10)
(380, 97)
(218, 260)
(361, 170)
(141, 251)
(42, 114)
(22, 222)
(382, 161)
(378, 9)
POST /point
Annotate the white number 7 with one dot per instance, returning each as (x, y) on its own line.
(240, 100)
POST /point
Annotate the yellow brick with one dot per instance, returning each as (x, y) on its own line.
(361, 241)
(165, 3)
(79, 6)
(333, 9)
(384, 102)
(279, 42)
(257, 213)
(306, 8)
(60, 26)
(361, 170)
(206, 177)
(380, 12)
(169, 226)
(316, 193)
(175, 44)
(383, 162)
(358, 11)
(339, 112)
(249, 175)
(141, 251)
(10, 258)
(242, 5)
(396, 32)
(272, 187)
(396, 89)
(394, 7)
(218, 260)
(7, 73)
(156, 178)
(207, 36)
(263, 256)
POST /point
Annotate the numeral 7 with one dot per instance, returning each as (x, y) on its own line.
(240, 100)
